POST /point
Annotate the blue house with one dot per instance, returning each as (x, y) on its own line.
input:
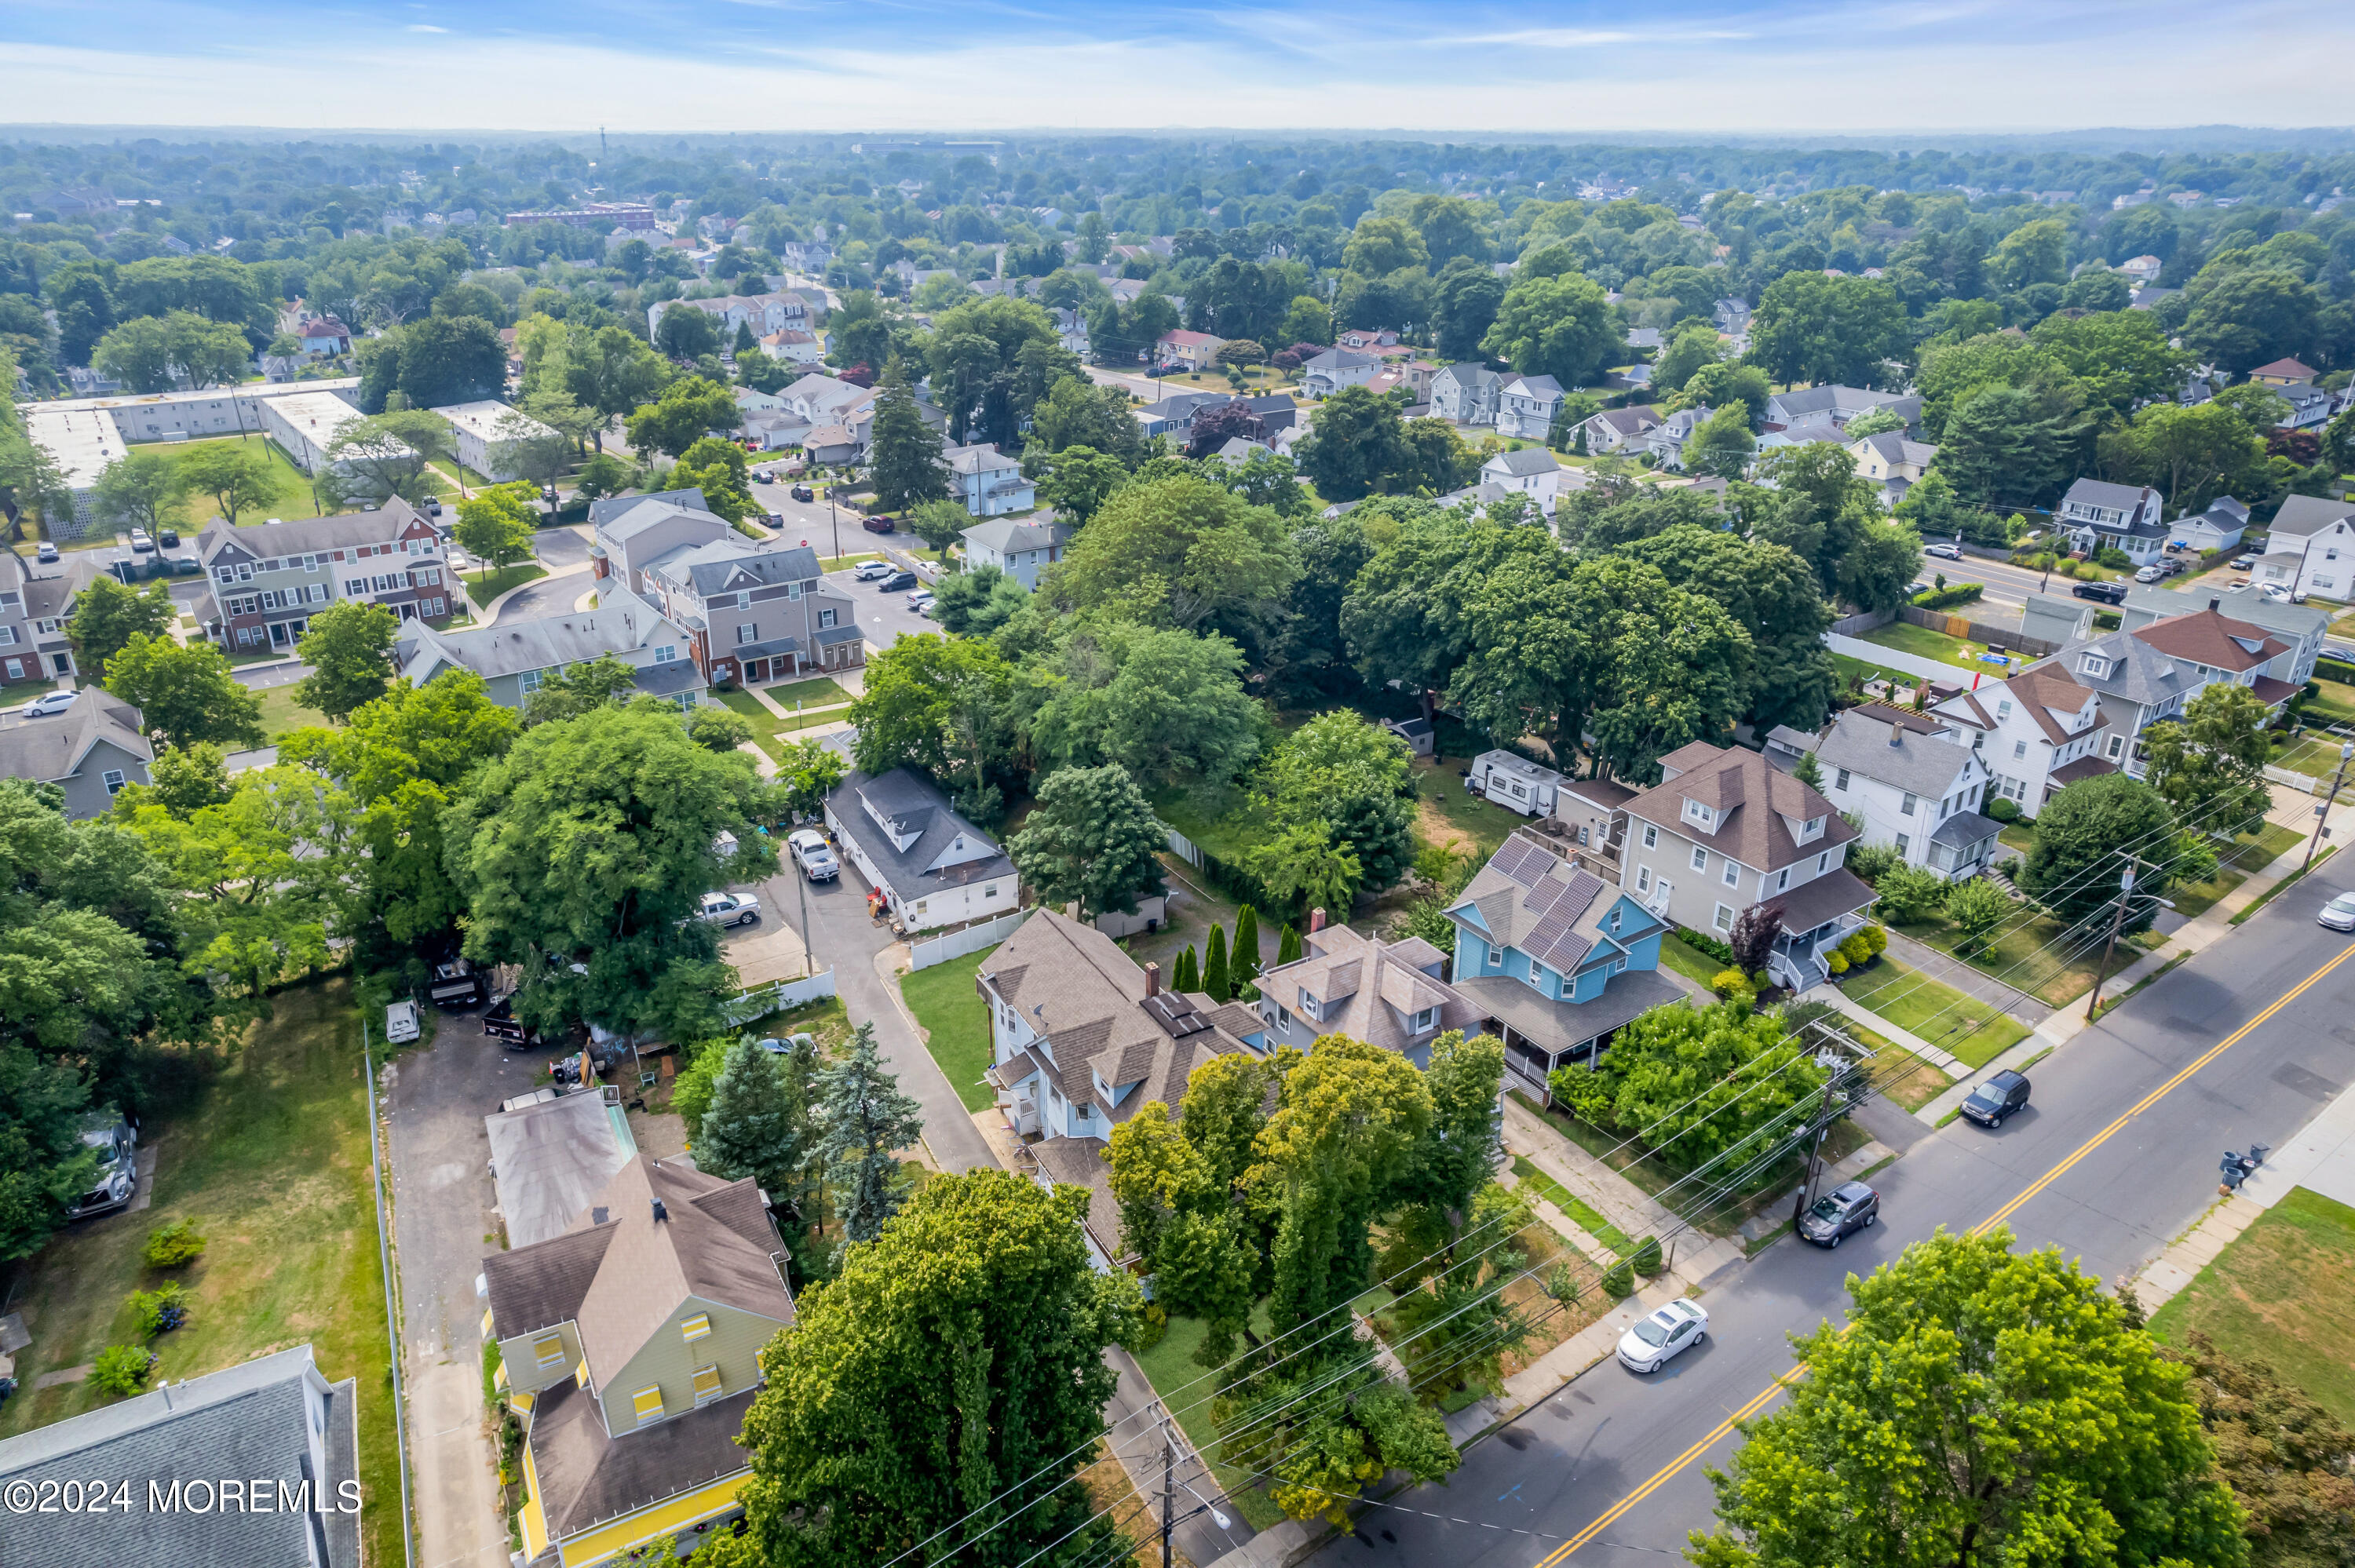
(1555, 957)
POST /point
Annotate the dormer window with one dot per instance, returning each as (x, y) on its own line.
(1309, 1006)
(1422, 1022)
(1696, 812)
(2093, 664)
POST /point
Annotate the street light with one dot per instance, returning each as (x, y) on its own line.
(2346, 750)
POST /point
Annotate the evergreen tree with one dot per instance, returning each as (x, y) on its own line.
(1809, 772)
(1288, 946)
(1188, 977)
(754, 1126)
(1214, 967)
(907, 462)
(1242, 968)
(863, 1117)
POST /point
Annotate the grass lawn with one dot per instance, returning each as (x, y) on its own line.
(765, 725)
(815, 693)
(1217, 818)
(1920, 640)
(2335, 704)
(1446, 814)
(1968, 1029)
(1562, 1198)
(1898, 1076)
(1185, 1387)
(271, 1160)
(2193, 899)
(291, 499)
(2018, 836)
(1689, 961)
(2283, 1292)
(280, 714)
(955, 1025)
(484, 586)
(839, 563)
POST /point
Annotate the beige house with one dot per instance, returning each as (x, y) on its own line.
(1892, 461)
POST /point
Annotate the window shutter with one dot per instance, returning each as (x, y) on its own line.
(647, 1402)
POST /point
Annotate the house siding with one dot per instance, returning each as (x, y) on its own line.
(668, 1359)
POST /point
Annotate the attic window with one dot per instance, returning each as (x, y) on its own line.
(695, 1328)
(647, 1402)
(2093, 664)
(548, 1350)
(706, 1385)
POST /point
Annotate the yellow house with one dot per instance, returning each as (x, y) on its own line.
(630, 1345)
(2282, 372)
(1889, 456)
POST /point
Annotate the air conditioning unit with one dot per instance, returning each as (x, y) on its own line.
(1024, 1114)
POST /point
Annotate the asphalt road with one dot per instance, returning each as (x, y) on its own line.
(883, 617)
(544, 595)
(2116, 1155)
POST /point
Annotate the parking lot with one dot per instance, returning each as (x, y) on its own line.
(883, 617)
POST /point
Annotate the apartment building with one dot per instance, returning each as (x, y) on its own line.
(266, 580)
(753, 614)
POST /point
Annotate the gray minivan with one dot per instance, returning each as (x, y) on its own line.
(117, 1177)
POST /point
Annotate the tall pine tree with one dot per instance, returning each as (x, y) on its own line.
(756, 1125)
(907, 456)
(1288, 946)
(1187, 976)
(1242, 966)
(863, 1117)
(1214, 967)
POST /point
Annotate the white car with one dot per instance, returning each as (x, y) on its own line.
(2150, 574)
(814, 854)
(729, 909)
(873, 571)
(2339, 913)
(49, 702)
(921, 600)
(1943, 551)
(1659, 1338)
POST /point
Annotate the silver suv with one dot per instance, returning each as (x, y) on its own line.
(111, 1186)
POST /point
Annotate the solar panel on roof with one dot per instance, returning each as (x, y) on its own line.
(1522, 861)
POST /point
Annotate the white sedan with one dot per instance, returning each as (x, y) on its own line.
(2339, 913)
(50, 703)
(1659, 1338)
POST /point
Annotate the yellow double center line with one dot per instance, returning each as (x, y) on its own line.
(1716, 1433)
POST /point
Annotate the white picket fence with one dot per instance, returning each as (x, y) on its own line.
(776, 997)
(971, 940)
(1913, 664)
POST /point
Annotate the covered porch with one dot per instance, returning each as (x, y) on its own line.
(1815, 917)
(1540, 1034)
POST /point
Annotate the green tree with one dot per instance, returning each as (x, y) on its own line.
(1353, 779)
(942, 705)
(717, 728)
(2210, 765)
(2282, 1453)
(350, 649)
(1468, 298)
(499, 524)
(756, 1125)
(1244, 965)
(1076, 412)
(1079, 479)
(1557, 327)
(2121, 357)
(1091, 838)
(1687, 351)
(975, 603)
(370, 461)
(612, 371)
(583, 686)
(2191, 455)
(1356, 442)
(954, 1363)
(906, 465)
(654, 804)
(1216, 984)
(450, 359)
(1179, 552)
(1723, 443)
(719, 470)
(939, 524)
(688, 409)
(2082, 837)
(863, 1117)
(807, 772)
(2251, 317)
(685, 333)
(183, 779)
(1976, 907)
(238, 479)
(109, 613)
(138, 490)
(1308, 320)
(1165, 705)
(1809, 327)
(534, 450)
(184, 695)
(1726, 383)
(1976, 1400)
(1186, 974)
(1775, 597)
(1381, 245)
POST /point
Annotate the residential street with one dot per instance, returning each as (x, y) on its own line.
(2089, 1167)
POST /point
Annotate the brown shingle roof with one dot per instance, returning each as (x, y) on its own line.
(2206, 637)
(2050, 690)
(1080, 1162)
(587, 1476)
(1755, 798)
(538, 1286)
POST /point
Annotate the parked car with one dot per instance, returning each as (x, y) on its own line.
(141, 544)
(1944, 551)
(869, 571)
(2150, 574)
(777, 1047)
(774, 519)
(49, 702)
(897, 582)
(2242, 563)
(1656, 1341)
(2174, 566)
(725, 909)
(878, 524)
(802, 493)
(501, 1023)
(1997, 1098)
(2339, 913)
(1916, 589)
(814, 854)
(456, 984)
(433, 506)
(765, 476)
(44, 551)
(117, 1176)
(168, 538)
(1839, 1213)
(459, 560)
(2278, 594)
(2103, 592)
(400, 1022)
(921, 600)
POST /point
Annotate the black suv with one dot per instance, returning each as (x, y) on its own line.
(1997, 1098)
(2106, 592)
(895, 582)
(1851, 1207)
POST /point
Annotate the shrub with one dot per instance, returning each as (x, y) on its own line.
(1708, 946)
(1940, 599)
(1647, 1259)
(1151, 1327)
(2110, 555)
(2003, 809)
(1876, 939)
(174, 1245)
(1618, 1281)
(121, 1369)
(1870, 861)
(1910, 892)
(161, 1309)
(1562, 1284)
(1856, 950)
(1587, 1094)
(1834, 962)
(1725, 982)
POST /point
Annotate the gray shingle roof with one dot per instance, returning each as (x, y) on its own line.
(2102, 493)
(1557, 1026)
(1966, 828)
(307, 536)
(1525, 461)
(2301, 516)
(633, 515)
(622, 623)
(1011, 535)
(710, 568)
(918, 807)
(49, 750)
(2138, 672)
(587, 1476)
(1917, 763)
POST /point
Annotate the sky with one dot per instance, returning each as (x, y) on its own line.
(567, 65)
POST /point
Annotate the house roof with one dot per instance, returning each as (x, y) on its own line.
(2069, 773)
(607, 509)
(1009, 535)
(248, 1420)
(1340, 359)
(549, 1160)
(1560, 1025)
(2045, 694)
(1753, 798)
(910, 874)
(1964, 828)
(1893, 447)
(587, 1476)
(2205, 637)
(2138, 672)
(2102, 493)
(1080, 1162)
(716, 566)
(1540, 387)
(622, 623)
(1469, 372)
(1822, 899)
(311, 536)
(48, 750)
(2286, 368)
(1190, 339)
(1894, 753)
(2289, 622)
(1843, 400)
(1630, 422)
(2301, 516)
(1523, 464)
(1368, 989)
(1528, 897)
(981, 458)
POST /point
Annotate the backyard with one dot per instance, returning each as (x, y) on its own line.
(2283, 1292)
(1971, 1031)
(955, 1024)
(1904, 637)
(282, 715)
(271, 1162)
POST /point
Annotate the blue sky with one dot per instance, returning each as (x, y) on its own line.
(753, 65)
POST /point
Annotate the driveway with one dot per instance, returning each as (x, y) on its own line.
(563, 549)
(442, 1210)
(841, 937)
(261, 677)
(545, 596)
(883, 617)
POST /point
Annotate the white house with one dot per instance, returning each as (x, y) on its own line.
(1665, 442)
(1911, 788)
(1621, 429)
(1021, 550)
(2217, 528)
(1532, 470)
(1526, 407)
(2097, 515)
(479, 428)
(987, 482)
(2036, 734)
(2311, 547)
(1336, 368)
(2141, 269)
(936, 869)
(793, 345)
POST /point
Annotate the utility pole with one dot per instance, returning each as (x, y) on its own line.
(2118, 922)
(2346, 750)
(1815, 1152)
(1169, 1488)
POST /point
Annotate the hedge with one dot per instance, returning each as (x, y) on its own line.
(1941, 599)
(1707, 945)
(2335, 669)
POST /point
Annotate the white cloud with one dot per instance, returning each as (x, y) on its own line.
(423, 27)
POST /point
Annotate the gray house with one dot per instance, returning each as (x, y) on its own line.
(90, 751)
(756, 615)
(514, 657)
(633, 531)
(255, 1466)
(1466, 394)
(1021, 550)
(901, 835)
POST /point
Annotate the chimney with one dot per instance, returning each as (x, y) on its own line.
(1152, 980)
(661, 1214)
(1316, 921)
(1896, 733)
(2215, 602)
